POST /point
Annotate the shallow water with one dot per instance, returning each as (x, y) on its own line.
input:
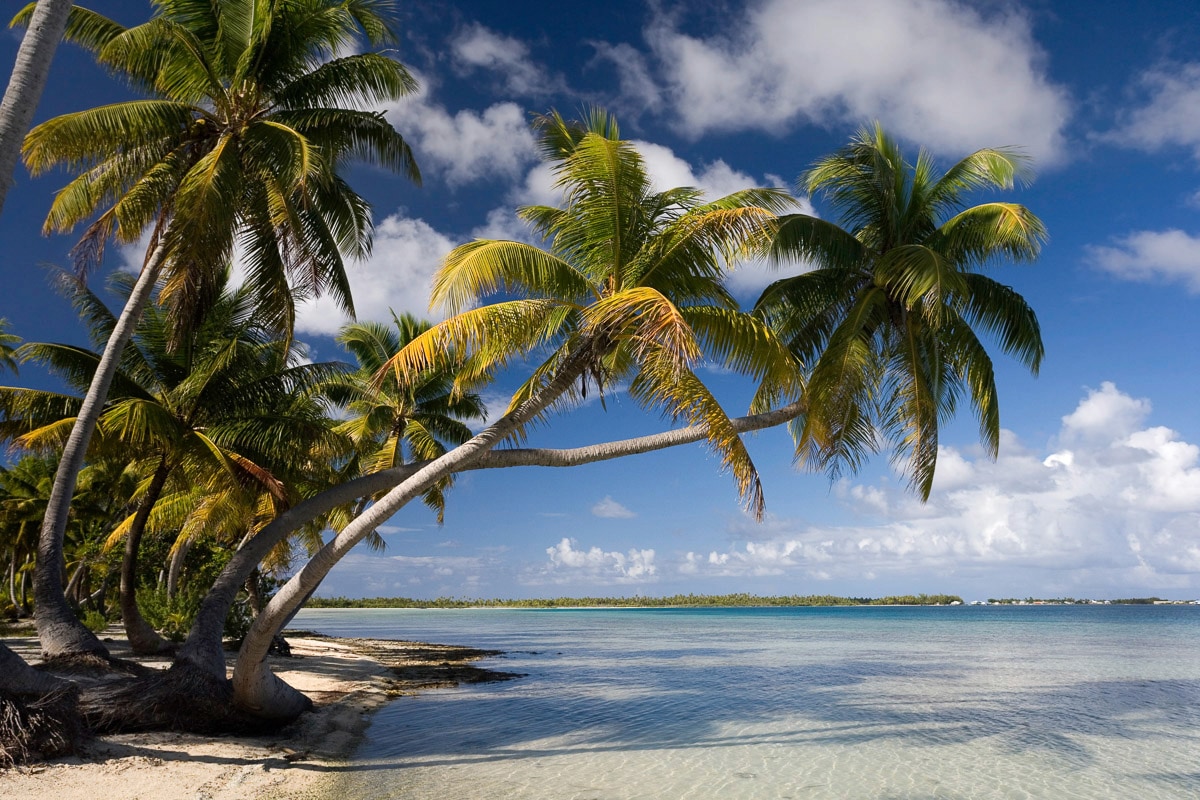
(880, 703)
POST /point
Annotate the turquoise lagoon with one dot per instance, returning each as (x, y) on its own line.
(944, 703)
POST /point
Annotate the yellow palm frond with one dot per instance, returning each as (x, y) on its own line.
(683, 395)
(646, 320)
(492, 335)
(485, 267)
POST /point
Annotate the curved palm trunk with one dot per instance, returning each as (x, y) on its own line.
(258, 690)
(27, 81)
(203, 650)
(143, 639)
(60, 631)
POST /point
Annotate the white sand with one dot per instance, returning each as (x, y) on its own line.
(173, 766)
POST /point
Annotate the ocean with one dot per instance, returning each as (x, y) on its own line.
(883, 703)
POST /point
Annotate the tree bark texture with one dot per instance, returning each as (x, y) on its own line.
(60, 631)
(143, 639)
(27, 81)
(203, 648)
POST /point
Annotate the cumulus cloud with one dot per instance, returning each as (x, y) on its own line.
(611, 509)
(1112, 496)
(397, 276)
(1105, 412)
(1170, 256)
(934, 71)
(466, 145)
(597, 565)
(638, 92)
(1170, 113)
(479, 48)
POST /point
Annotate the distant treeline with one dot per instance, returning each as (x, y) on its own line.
(673, 601)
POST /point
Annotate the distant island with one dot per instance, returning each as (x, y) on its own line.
(736, 600)
(673, 601)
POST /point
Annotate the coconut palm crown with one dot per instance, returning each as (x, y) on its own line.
(889, 319)
(389, 419)
(627, 289)
(251, 111)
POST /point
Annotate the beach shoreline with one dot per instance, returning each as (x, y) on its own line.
(347, 679)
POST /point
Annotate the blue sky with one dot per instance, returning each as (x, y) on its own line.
(1097, 488)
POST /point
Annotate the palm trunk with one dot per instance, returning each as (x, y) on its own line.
(143, 639)
(27, 81)
(175, 570)
(71, 592)
(258, 690)
(203, 650)
(24, 593)
(12, 577)
(60, 631)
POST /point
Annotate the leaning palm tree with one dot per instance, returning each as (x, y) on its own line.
(252, 115)
(628, 291)
(888, 321)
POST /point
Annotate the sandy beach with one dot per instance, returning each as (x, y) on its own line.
(347, 679)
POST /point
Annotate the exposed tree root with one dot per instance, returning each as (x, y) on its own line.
(37, 728)
(182, 698)
(93, 666)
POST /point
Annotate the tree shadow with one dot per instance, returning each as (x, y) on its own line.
(833, 703)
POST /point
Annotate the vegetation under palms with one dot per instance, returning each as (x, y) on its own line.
(253, 114)
(228, 411)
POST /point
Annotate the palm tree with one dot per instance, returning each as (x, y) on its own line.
(8, 346)
(227, 410)
(46, 22)
(888, 319)
(629, 289)
(24, 487)
(392, 422)
(253, 115)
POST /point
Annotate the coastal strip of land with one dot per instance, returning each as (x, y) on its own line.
(347, 679)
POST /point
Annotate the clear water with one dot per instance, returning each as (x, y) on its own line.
(879, 703)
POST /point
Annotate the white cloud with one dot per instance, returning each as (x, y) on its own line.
(479, 48)
(611, 509)
(1171, 113)
(1112, 498)
(397, 276)
(933, 71)
(467, 145)
(716, 179)
(597, 565)
(1105, 412)
(1171, 256)
(638, 90)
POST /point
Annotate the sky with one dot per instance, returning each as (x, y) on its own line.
(1096, 491)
